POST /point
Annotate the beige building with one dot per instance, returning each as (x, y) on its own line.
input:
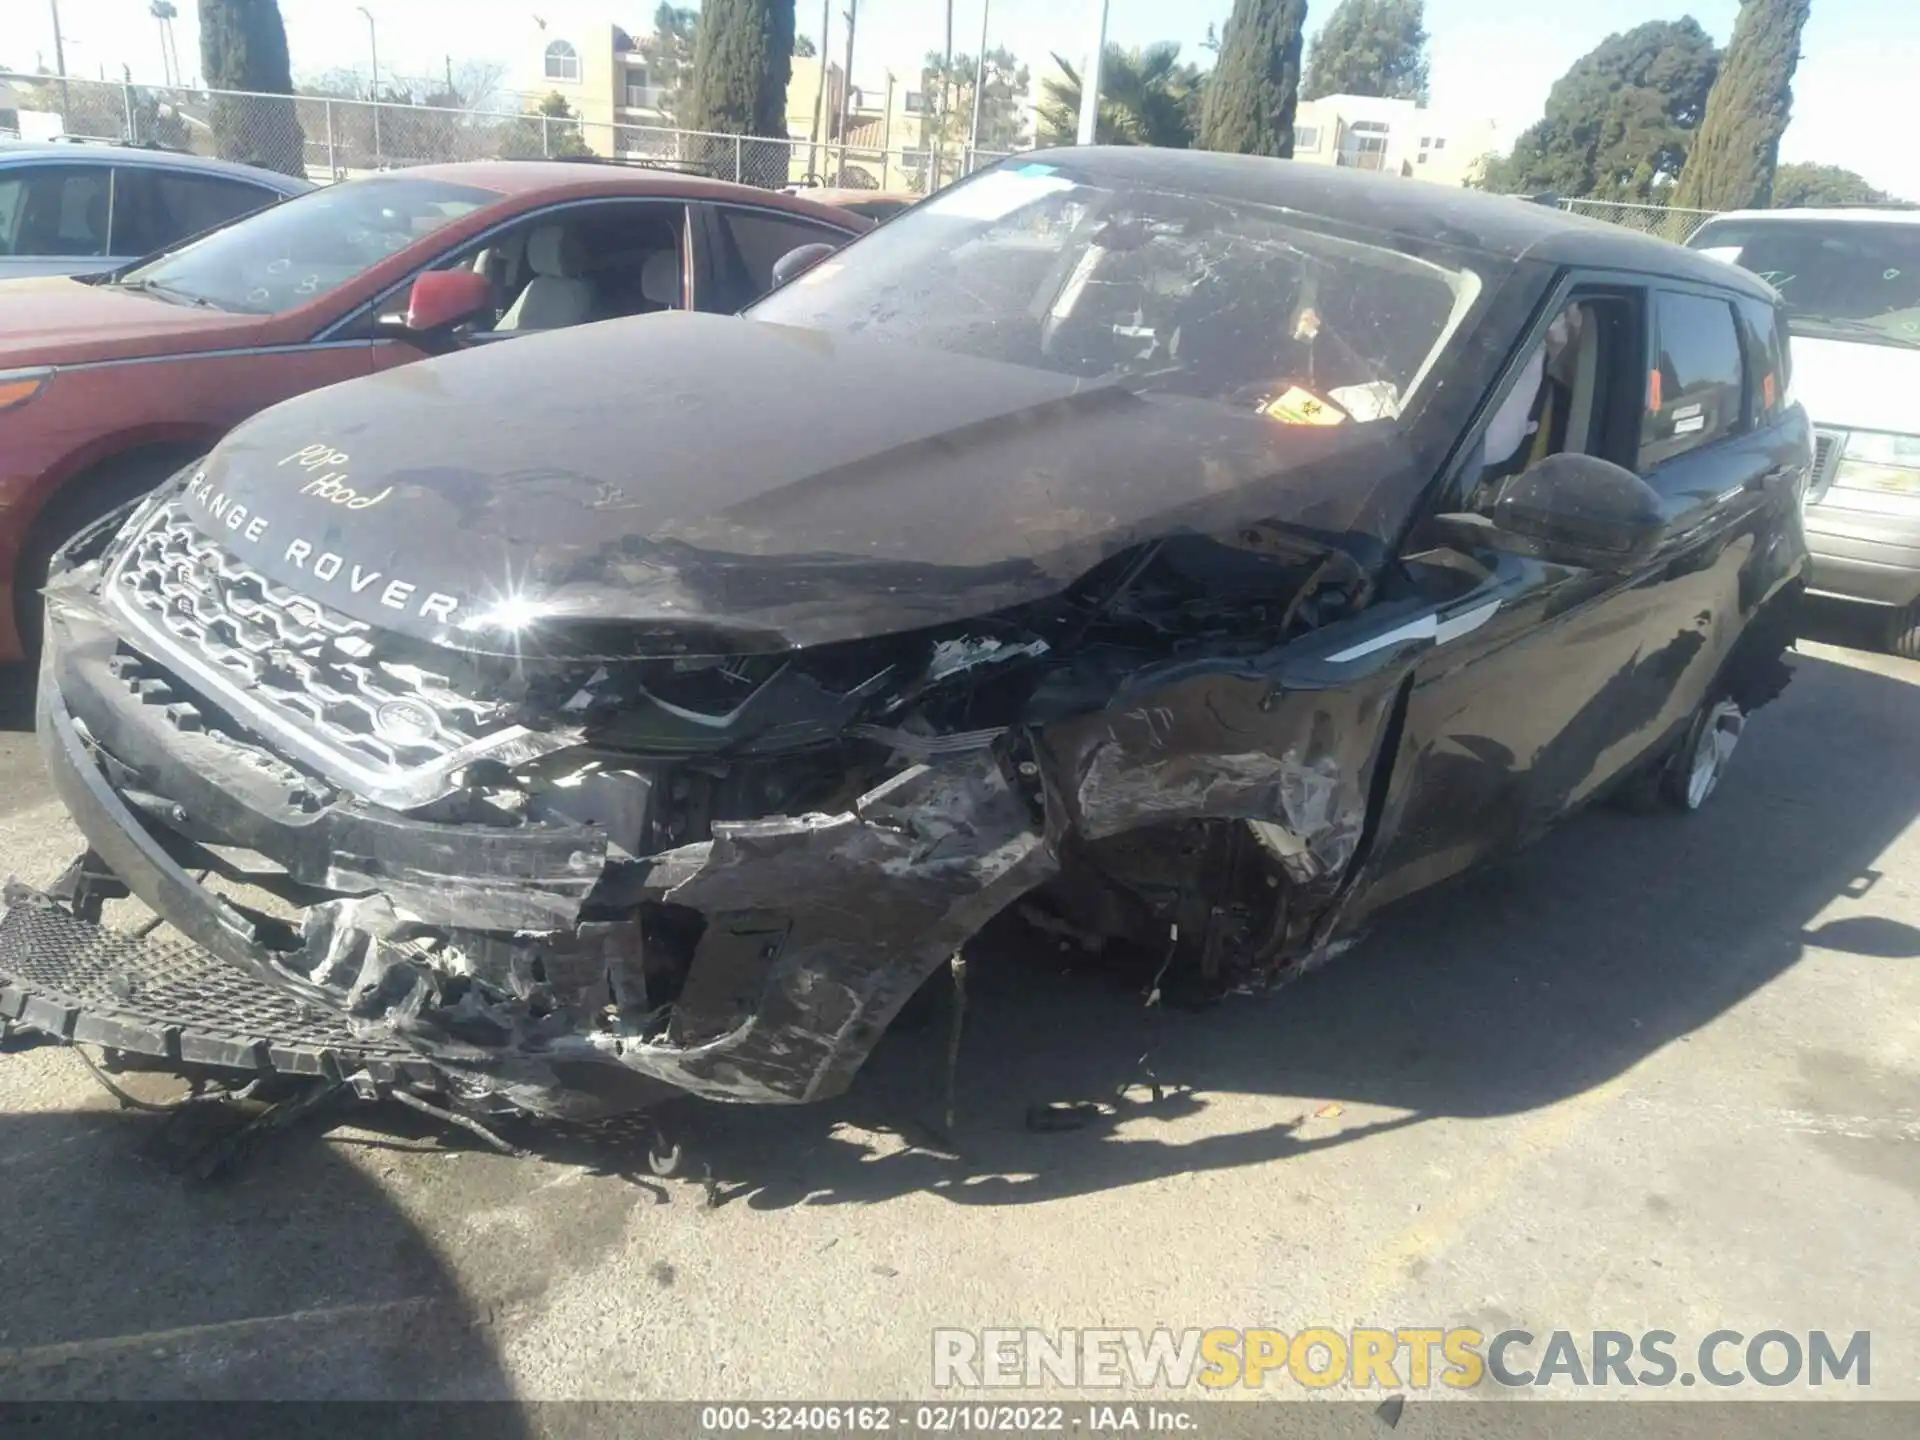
(601, 72)
(1396, 137)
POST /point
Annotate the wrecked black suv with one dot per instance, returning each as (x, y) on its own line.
(1199, 550)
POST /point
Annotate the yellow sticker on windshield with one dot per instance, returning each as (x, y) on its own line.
(1301, 407)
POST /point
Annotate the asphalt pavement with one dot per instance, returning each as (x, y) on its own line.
(1655, 1073)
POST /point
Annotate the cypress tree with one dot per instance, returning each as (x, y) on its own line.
(1732, 161)
(742, 62)
(1255, 87)
(243, 46)
(1370, 47)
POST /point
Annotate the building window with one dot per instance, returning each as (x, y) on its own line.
(1423, 157)
(916, 102)
(1425, 141)
(1306, 137)
(1440, 143)
(1364, 146)
(563, 61)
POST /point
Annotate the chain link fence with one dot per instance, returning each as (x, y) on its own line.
(327, 138)
(1668, 222)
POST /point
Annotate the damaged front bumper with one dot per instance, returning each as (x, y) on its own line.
(818, 928)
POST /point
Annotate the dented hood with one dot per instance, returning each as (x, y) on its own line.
(709, 482)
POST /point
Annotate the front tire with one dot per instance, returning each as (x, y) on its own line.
(1689, 779)
(82, 501)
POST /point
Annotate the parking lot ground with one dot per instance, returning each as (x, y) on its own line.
(1655, 1073)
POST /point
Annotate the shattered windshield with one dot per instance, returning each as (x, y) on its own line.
(1252, 305)
(1842, 279)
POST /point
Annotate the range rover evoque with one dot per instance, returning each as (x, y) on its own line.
(1201, 550)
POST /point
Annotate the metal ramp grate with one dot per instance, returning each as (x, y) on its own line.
(170, 999)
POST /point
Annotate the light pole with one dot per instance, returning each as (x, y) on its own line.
(60, 63)
(373, 91)
(1090, 81)
(163, 11)
(979, 85)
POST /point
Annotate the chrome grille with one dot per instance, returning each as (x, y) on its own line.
(387, 727)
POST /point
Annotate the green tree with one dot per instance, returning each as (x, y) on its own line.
(1370, 47)
(1255, 88)
(742, 62)
(1143, 99)
(804, 48)
(1619, 123)
(1733, 159)
(1802, 185)
(669, 56)
(243, 46)
(1003, 121)
(551, 131)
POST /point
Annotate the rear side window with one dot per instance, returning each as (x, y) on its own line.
(1695, 392)
(56, 210)
(154, 208)
(1764, 334)
(759, 240)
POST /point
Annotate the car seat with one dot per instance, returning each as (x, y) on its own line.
(557, 295)
(661, 281)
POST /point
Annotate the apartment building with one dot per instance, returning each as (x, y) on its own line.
(1396, 137)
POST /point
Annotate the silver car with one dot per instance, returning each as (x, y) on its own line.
(1851, 282)
(70, 208)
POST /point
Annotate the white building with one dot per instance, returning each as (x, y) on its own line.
(1396, 137)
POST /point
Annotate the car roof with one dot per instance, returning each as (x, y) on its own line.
(522, 177)
(1894, 213)
(82, 152)
(1474, 220)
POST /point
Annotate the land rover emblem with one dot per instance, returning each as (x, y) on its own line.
(405, 722)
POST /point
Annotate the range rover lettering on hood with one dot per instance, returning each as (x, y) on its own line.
(341, 575)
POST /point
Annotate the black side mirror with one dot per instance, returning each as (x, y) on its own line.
(798, 261)
(1581, 510)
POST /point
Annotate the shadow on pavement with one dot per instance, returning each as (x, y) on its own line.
(299, 1279)
(1519, 987)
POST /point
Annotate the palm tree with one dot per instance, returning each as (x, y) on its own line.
(1146, 98)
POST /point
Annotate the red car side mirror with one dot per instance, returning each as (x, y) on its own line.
(441, 299)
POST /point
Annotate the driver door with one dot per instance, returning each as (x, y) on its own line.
(1548, 677)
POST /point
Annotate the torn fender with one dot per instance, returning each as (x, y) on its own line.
(819, 928)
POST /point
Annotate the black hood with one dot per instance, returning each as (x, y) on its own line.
(715, 482)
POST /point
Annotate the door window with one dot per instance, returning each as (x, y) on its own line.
(1574, 393)
(756, 239)
(1695, 389)
(1764, 332)
(154, 208)
(56, 210)
(573, 266)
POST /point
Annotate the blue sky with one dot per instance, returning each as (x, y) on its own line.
(1491, 57)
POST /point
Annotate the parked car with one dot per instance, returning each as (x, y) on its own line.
(350, 280)
(1851, 279)
(79, 209)
(1198, 549)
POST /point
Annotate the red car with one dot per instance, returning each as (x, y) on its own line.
(109, 386)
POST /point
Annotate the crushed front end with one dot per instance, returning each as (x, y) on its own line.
(577, 880)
